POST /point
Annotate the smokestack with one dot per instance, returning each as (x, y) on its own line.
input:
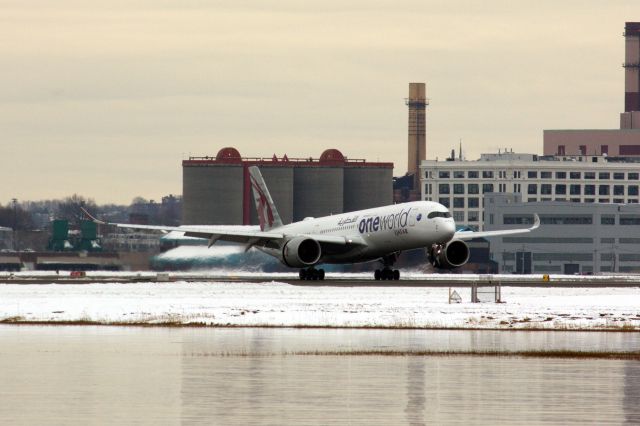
(632, 66)
(417, 103)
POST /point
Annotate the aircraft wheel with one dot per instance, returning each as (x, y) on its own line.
(303, 274)
(321, 274)
(396, 275)
(377, 275)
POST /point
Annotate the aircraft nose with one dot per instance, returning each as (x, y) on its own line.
(448, 228)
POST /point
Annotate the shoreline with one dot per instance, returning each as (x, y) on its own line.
(169, 324)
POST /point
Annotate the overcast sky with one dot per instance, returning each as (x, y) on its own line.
(105, 99)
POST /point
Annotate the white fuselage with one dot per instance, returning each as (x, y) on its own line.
(381, 231)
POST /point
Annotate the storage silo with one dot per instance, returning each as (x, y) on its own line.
(317, 191)
(279, 180)
(367, 186)
(212, 190)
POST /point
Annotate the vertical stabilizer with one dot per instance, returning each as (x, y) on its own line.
(267, 213)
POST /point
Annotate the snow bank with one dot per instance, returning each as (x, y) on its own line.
(282, 305)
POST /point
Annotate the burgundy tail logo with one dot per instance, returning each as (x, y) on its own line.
(265, 214)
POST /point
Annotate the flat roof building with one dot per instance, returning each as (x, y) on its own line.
(462, 185)
(624, 141)
(572, 238)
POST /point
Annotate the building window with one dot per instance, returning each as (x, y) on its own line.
(632, 190)
(561, 150)
(603, 200)
(618, 176)
(458, 188)
(574, 189)
(574, 175)
(458, 216)
(604, 149)
(532, 188)
(589, 175)
(443, 188)
(629, 150)
(618, 200)
(583, 149)
(603, 190)
(445, 202)
(575, 200)
(443, 175)
(570, 219)
(487, 174)
(487, 187)
(531, 200)
(561, 189)
(532, 174)
(633, 176)
(473, 202)
(589, 200)
(561, 175)
(627, 219)
(472, 216)
(545, 188)
(473, 174)
(545, 175)
(618, 189)
(604, 175)
(459, 174)
(458, 203)
(589, 190)
(473, 188)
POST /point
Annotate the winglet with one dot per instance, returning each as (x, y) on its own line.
(536, 222)
(93, 219)
(267, 213)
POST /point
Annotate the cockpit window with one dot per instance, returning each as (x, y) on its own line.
(438, 214)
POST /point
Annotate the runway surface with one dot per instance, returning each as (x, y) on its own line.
(410, 279)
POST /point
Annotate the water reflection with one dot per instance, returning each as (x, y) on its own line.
(252, 376)
(416, 395)
(631, 399)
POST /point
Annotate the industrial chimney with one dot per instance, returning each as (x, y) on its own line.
(630, 119)
(417, 103)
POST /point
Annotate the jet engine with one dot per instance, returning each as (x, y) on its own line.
(301, 252)
(449, 256)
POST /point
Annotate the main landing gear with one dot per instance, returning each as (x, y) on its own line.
(387, 273)
(312, 274)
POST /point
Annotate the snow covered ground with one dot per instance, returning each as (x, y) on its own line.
(283, 305)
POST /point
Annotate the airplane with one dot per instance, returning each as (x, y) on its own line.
(380, 233)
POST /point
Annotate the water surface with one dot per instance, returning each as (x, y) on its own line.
(114, 375)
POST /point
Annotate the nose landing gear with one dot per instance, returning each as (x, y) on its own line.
(312, 274)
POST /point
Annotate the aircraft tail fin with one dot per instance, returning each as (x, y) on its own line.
(267, 213)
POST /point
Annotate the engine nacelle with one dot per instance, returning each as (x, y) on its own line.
(452, 255)
(300, 252)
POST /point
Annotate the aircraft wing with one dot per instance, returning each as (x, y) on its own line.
(469, 235)
(238, 234)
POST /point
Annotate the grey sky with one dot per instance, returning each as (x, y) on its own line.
(105, 99)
